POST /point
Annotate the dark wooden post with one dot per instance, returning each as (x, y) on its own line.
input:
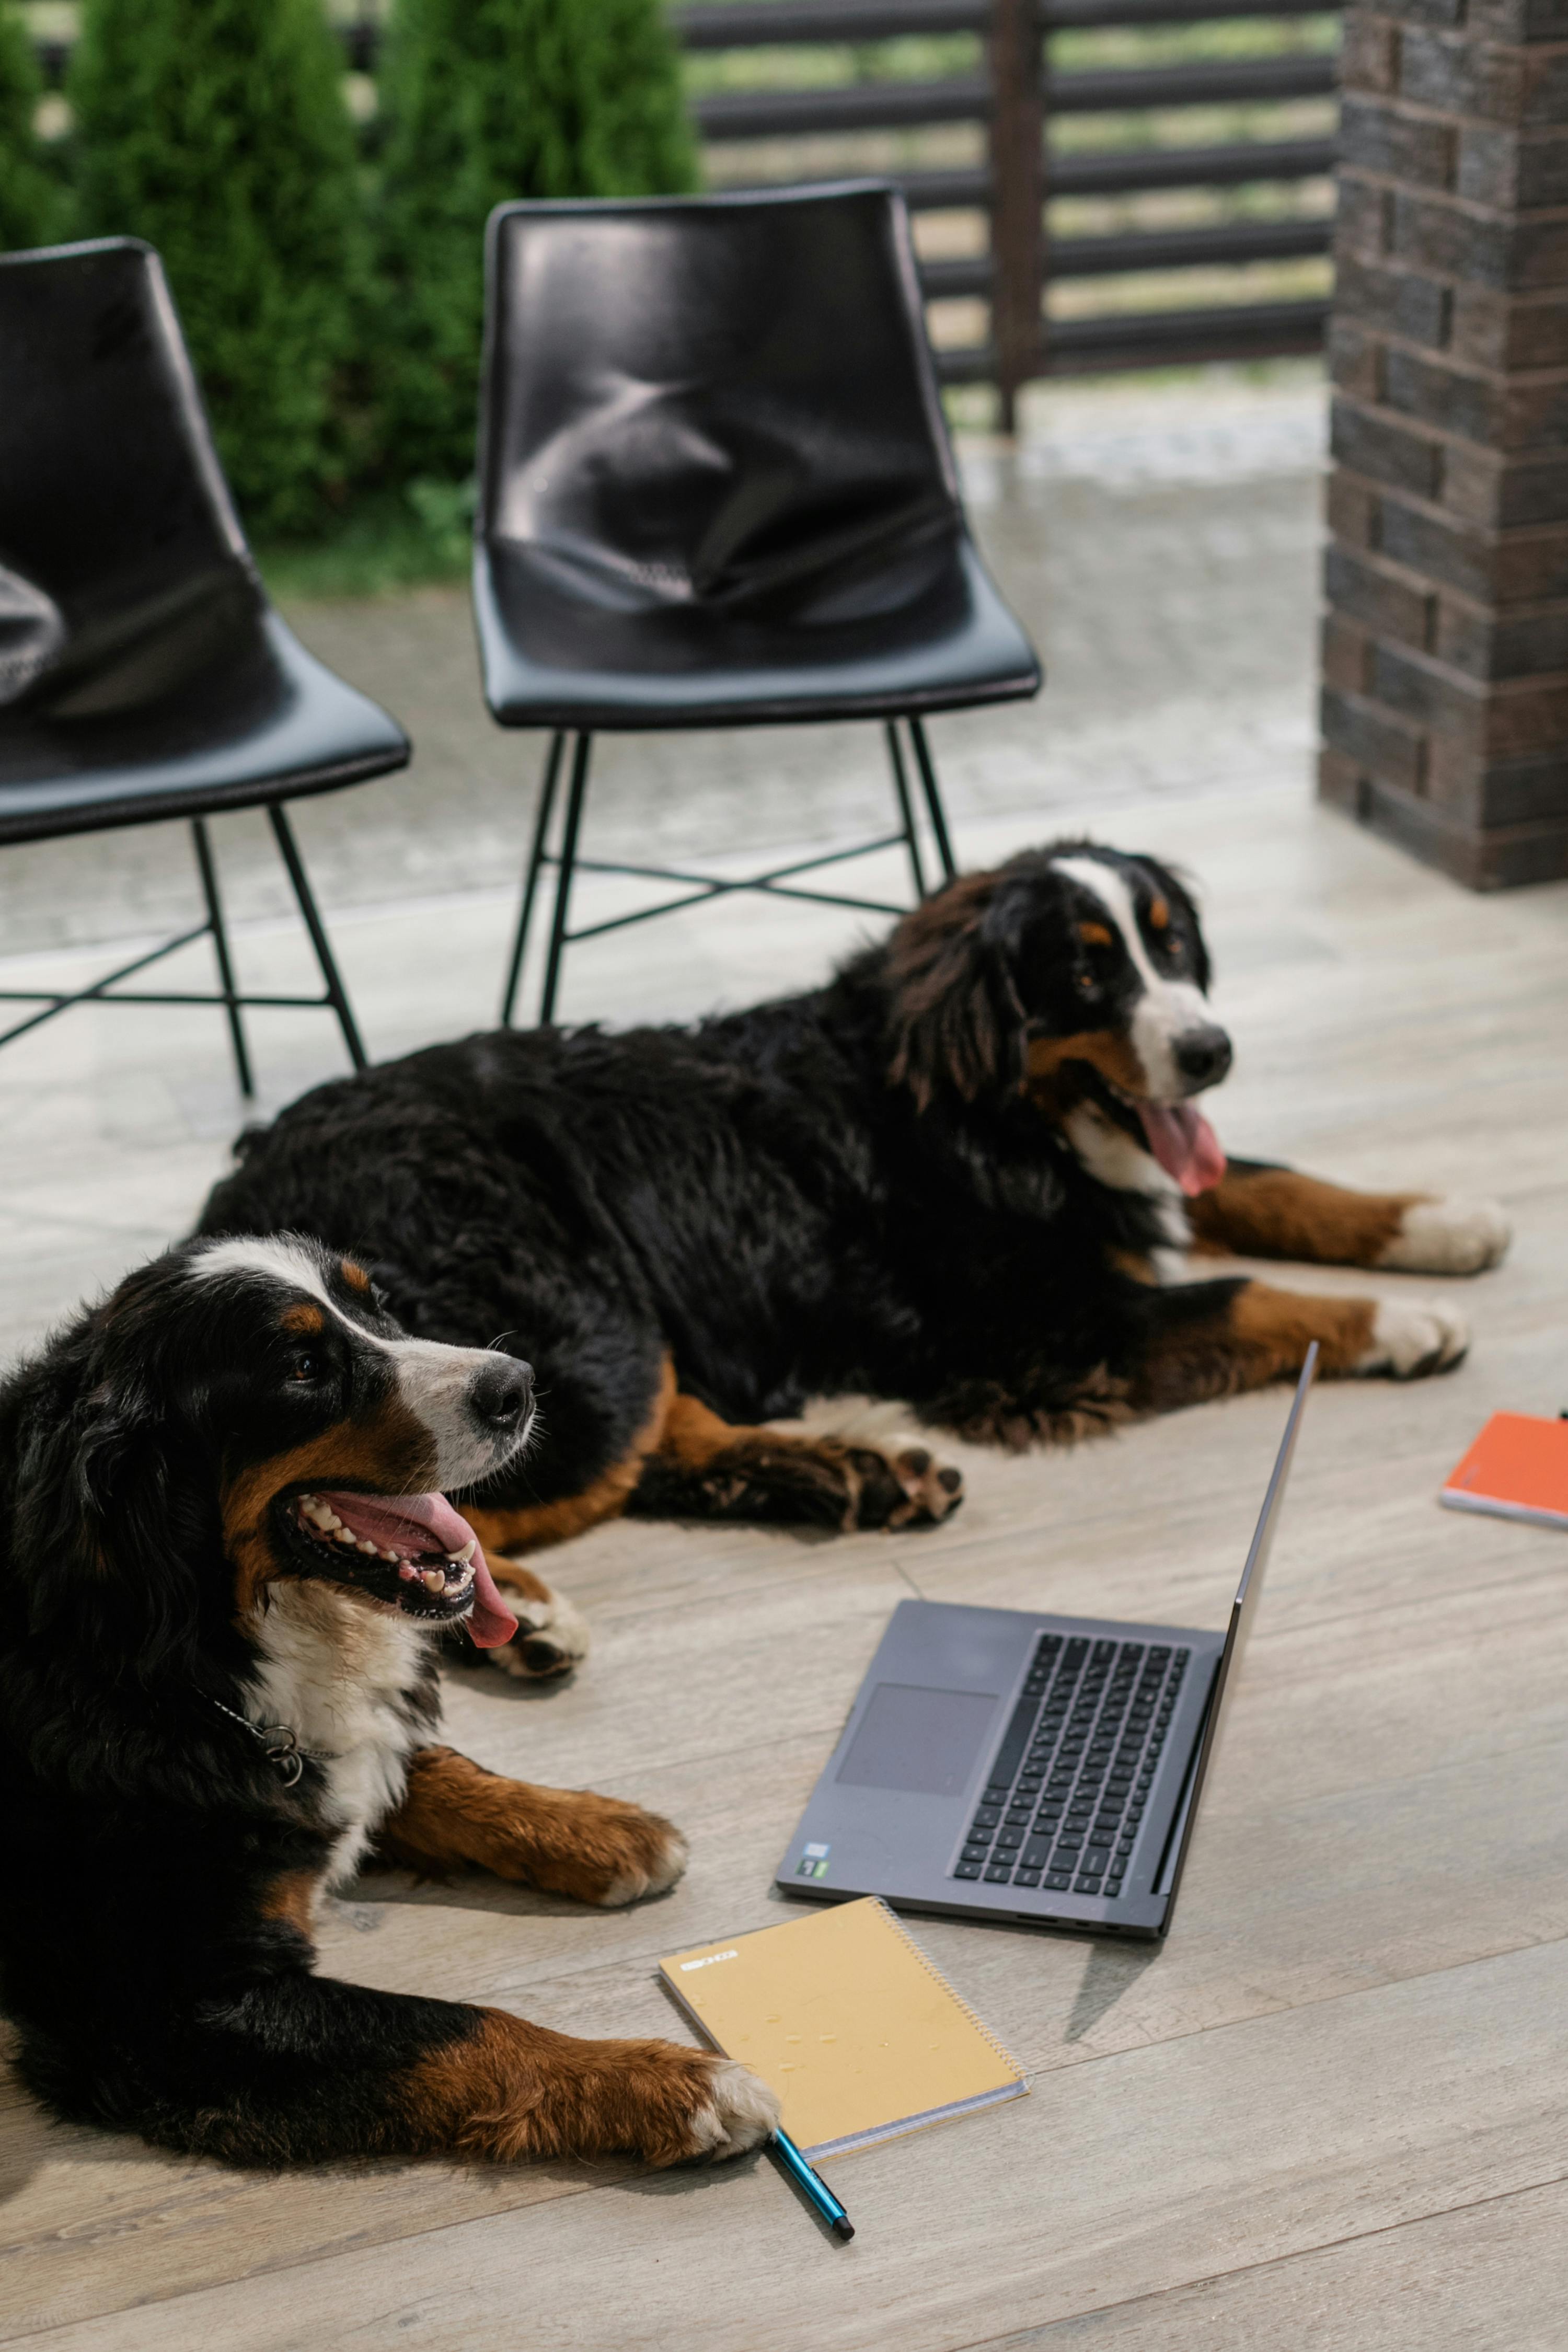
(1017, 196)
(1445, 646)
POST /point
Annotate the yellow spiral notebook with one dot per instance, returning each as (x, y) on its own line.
(843, 2015)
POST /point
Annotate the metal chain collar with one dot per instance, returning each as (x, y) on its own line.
(280, 1744)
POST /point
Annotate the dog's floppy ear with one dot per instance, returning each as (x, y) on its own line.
(954, 1004)
(103, 1531)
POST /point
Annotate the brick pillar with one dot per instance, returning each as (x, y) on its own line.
(1445, 707)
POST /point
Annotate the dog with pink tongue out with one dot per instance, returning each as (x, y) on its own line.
(228, 1558)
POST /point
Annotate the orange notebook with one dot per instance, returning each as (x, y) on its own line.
(1517, 1469)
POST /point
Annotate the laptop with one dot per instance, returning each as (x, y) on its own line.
(1042, 1771)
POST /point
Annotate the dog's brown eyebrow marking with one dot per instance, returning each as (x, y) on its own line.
(301, 1318)
(354, 1276)
(1094, 935)
(1159, 914)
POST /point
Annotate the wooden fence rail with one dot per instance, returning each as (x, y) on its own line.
(1013, 98)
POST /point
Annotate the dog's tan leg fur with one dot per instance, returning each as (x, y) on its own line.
(1263, 1335)
(1277, 1212)
(570, 1842)
(514, 2090)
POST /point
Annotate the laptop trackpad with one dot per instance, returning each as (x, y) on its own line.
(922, 1740)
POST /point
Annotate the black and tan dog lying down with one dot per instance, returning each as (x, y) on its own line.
(956, 1176)
(226, 1564)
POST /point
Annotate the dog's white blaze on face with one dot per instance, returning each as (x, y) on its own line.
(432, 1378)
(1167, 1009)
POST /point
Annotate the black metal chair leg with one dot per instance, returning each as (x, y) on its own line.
(578, 793)
(531, 882)
(207, 866)
(933, 797)
(906, 811)
(337, 994)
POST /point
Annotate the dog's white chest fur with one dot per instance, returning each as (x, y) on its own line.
(335, 1671)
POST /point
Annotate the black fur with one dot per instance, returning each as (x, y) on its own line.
(846, 1189)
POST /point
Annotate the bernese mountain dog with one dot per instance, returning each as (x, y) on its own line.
(959, 1175)
(227, 1561)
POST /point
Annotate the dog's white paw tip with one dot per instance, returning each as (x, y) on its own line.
(552, 1636)
(931, 1488)
(667, 1865)
(1408, 1341)
(742, 2113)
(1450, 1237)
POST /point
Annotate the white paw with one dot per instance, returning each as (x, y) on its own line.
(552, 1635)
(741, 2112)
(656, 1877)
(1448, 1237)
(1409, 1341)
(929, 1489)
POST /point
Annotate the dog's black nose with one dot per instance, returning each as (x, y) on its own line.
(501, 1392)
(1203, 1055)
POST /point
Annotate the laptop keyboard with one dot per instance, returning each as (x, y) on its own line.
(1072, 1776)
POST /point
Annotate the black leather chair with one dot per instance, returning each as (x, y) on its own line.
(143, 674)
(716, 490)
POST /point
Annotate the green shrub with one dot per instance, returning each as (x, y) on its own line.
(484, 101)
(29, 203)
(217, 130)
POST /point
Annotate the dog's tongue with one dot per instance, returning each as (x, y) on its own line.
(1184, 1143)
(426, 1526)
(489, 1622)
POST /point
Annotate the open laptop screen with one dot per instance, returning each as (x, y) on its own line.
(1243, 1609)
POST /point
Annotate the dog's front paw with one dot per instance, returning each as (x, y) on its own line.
(601, 1849)
(667, 2104)
(1410, 1341)
(552, 1634)
(741, 2111)
(1448, 1237)
(902, 1484)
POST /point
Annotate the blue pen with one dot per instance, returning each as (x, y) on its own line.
(813, 2185)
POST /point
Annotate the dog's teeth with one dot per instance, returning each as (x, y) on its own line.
(388, 1555)
(346, 1536)
(469, 1548)
(435, 1580)
(372, 1551)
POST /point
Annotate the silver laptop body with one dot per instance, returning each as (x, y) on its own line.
(1038, 1770)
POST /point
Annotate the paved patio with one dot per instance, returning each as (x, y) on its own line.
(1160, 545)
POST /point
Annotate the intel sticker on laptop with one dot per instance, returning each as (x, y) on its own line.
(813, 1863)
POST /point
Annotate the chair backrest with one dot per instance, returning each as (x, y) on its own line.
(124, 569)
(709, 399)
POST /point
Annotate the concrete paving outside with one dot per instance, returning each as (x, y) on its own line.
(1159, 540)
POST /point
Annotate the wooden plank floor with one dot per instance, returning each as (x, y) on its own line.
(1329, 2111)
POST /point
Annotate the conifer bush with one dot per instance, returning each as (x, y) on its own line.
(485, 100)
(29, 201)
(219, 131)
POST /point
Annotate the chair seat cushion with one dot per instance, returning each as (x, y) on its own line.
(568, 644)
(260, 719)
